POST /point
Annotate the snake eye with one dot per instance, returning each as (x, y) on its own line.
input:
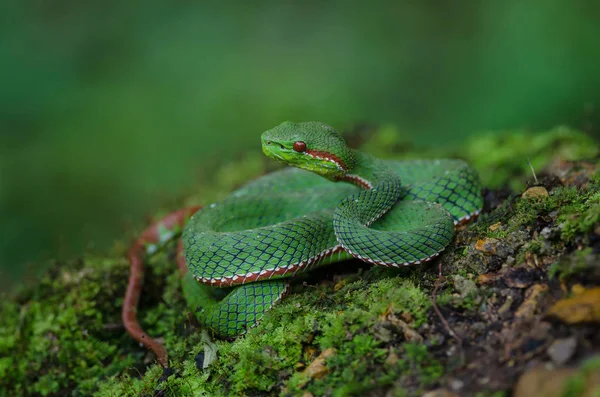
(299, 146)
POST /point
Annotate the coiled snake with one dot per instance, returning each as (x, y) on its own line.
(389, 213)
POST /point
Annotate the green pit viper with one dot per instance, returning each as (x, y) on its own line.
(240, 252)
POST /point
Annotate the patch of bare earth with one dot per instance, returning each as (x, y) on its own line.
(510, 325)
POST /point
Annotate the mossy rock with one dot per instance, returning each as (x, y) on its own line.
(361, 330)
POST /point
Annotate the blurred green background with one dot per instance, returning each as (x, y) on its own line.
(107, 108)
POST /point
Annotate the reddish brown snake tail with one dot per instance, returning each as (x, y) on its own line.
(136, 255)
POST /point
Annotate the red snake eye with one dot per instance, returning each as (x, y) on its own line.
(299, 146)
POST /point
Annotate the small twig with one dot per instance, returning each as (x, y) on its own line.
(533, 172)
(437, 285)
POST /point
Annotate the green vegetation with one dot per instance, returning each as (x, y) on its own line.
(504, 159)
(578, 210)
(63, 334)
(578, 263)
(577, 384)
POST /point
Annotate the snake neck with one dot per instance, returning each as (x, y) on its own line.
(382, 188)
(368, 172)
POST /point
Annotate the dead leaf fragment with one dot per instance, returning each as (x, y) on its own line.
(531, 260)
(317, 369)
(540, 381)
(487, 246)
(581, 308)
(392, 358)
(577, 289)
(339, 285)
(533, 296)
(487, 278)
(398, 325)
(406, 316)
(506, 305)
(494, 226)
(535, 192)
(389, 325)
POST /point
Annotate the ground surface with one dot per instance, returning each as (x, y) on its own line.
(517, 311)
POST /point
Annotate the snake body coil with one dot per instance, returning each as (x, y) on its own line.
(389, 213)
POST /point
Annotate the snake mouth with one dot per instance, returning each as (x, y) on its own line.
(279, 150)
(269, 152)
(271, 149)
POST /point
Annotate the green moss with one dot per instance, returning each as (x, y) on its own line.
(419, 360)
(581, 216)
(500, 233)
(503, 159)
(468, 300)
(63, 335)
(527, 210)
(572, 265)
(360, 365)
(56, 341)
(591, 364)
(577, 211)
(577, 384)
(341, 319)
(534, 246)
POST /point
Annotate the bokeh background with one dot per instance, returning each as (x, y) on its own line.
(108, 107)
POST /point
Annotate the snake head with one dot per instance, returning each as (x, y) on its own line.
(312, 146)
